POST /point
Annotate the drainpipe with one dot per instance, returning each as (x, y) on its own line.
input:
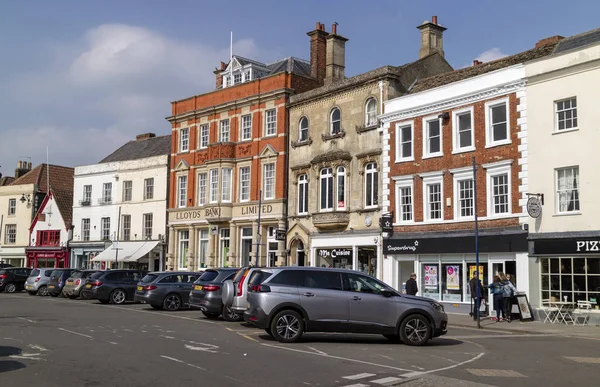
(287, 182)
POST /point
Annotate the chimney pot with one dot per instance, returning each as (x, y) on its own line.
(434, 19)
(432, 38)
(20, 164)
(334, 29)
(144, 136)
(318, 52)
(318, 27)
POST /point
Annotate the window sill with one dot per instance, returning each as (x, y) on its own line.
(202, 148)
(561, 131)
(495, 144)
(398, 161)
(573, 213)
(433, 221)
(269, 136)
(366, 128)
(368, 209)
(463, 150)
(183, 152)
(411, 223)
(327, 137)
(296, 144)
(244, 141)
(432, 155)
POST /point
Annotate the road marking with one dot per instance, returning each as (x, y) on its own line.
(27, 356)
(209, 348)
(505, 336)
(38, 347)
(316, 350)
(336, 357)
(26, 319)
(182, 362)
(112, 342)
(419, 373)
(247, 337)
(386, 357)
(75, 333)
(495, 373)
(588, 360)
(357, 385)
(167, 337)
(358, 376)
(387, 380)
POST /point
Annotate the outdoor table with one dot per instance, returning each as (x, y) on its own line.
(563, 307)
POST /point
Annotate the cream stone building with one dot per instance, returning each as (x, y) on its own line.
(334, 187)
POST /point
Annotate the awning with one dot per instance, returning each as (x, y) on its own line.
(127, 251)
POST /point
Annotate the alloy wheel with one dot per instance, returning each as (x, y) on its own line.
(118, 297)
(416, 330)
(10, 288)
(43, 291)
(172, 302)
(287, 326)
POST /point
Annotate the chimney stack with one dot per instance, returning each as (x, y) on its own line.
(318, 52)
(336, 57)
(22, 168)
(144, 136)
(432, 35)
(476, 62)
(550, 40)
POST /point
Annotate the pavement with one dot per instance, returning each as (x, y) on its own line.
(60, 342)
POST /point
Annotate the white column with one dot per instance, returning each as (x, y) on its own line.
(171, 249)
(354, 257)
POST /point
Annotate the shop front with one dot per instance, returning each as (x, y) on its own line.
(445, 262)
(355, 252)
(566, 268)
(140, 255)
(83, 253)
(14, 256)
(46, 256)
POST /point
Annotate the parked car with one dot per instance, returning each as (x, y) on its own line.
(76, 282)
(12, 279)
(235, 292)
(114, 286)
(294, 300)
(3, 265)
(58, 279)
(168, 290)
(206, 293)
(37, 282)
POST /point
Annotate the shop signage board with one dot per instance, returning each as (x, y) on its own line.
(341, 252)
(280, 235)
(559, 246)
(516, 242)
(524, 308)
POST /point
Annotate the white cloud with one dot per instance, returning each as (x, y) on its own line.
(488, 56)
(95, 93)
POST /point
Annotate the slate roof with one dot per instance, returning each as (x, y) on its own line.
(61, 185)
(141, 149)
(472, 71)
(6, 180)
(291, 65)
(578, 41)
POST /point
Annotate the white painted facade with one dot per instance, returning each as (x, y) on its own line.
(97, 176)
(52, 219)
(18, 215)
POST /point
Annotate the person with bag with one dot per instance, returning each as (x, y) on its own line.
(509, 293)
(497, 288)
(477, 302)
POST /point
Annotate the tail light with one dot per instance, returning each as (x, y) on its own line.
(59, 280)
(2, 276)
(260, 288)
(77, 282)
(211, 288)
(239, 287)
(97, 283)
(37, 279)
(150, 287)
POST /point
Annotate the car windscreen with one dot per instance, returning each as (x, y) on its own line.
(77, 274)
(208, 276)
(56, 273)
(258, 277)
(149, 278)
(34, 273)
(96, 275)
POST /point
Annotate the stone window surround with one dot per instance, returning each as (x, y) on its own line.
(455, 135)
(489, 136)
(428, 179)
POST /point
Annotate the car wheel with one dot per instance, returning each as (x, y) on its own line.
(287, 326)
(231, 315)
(172, 302)
(392, 338)
(415, 330)
(156, 306)
(43, 291)
(32, 293)
(210, 315)
(10, 288)
(118, 296)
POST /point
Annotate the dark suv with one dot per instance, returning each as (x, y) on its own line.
(12, 279)
(206, 293)
(168, 290)
(294, 300)
(58, 279)
(114, 286)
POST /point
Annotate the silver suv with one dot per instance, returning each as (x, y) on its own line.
(293, 300)
(235, 291)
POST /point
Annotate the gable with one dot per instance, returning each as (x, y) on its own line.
(268, 151)
(182, 166)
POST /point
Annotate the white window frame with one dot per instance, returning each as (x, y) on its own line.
(271, 122)
(226, 81)
(182, 191)
(203, 236)
(245, 183)
(148, 220)
(87, 194)
(184, 139)
(204, 130)
(426, 153)
(371, 117)
(105, 226)
(493, 170)
(237, 78)
(329, 188)
(458, 176)
(331, 122)
(184, 240)
(202, 183)
(12, 207)
(402, 183)
(126, 227)
(340, 173)
(266, 195)
(556, 112)
(224, 130)
(85, 229)
(455, 135)
(149, 183)
(10, 234)
(489, 129)
(557, 195)
(213, 186)
(226, 180)
(127, 191)
(429, 179)
(303, 188)
(106, 192)
(300, 128)
(374, 185)
(246, 127)
(399, 126)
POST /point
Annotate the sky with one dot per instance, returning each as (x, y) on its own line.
(81, 78)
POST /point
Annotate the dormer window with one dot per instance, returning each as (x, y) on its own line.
(226, 81)
(247, 76)
(237, 78)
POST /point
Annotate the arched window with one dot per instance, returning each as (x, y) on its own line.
(341, 188)
(335, 121)
(302, 194)
(303, 129)
(326, 191)
(371, 112)
(371, 188)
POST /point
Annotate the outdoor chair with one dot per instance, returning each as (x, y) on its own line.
(581, 315)
(550, 312)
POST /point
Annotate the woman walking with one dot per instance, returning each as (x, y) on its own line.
(509, 293)
(497, 288)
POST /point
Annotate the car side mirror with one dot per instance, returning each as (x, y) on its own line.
(387, 293)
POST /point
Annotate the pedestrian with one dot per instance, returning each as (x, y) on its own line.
(497, 288)
(509, 293)
(411, 285)
(473, 285)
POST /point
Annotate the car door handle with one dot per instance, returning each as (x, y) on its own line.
(356, 298)
(308, 294)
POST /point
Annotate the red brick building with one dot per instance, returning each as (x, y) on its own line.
(431, 137)
(230, 145)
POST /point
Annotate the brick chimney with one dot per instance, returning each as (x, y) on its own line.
(550, 40)
(335, 62)
(22, 168)
(144, 136)
(318, 52)
(219, 74)
(477, 62)
(432, 38)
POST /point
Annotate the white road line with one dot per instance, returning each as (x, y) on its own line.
(112, 342)
(419, 373)
(386, 380)
(26, 319)
(192, 348)
(358, 376)
(182, 362)
(337, 357)
(357, 385)
(75, 333)
(316, 350)
(38, 347)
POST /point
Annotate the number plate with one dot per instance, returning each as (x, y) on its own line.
(51, 286)
(88, 286)
(140, 288)
(28, 286)
(198, 287)
(69, 282)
